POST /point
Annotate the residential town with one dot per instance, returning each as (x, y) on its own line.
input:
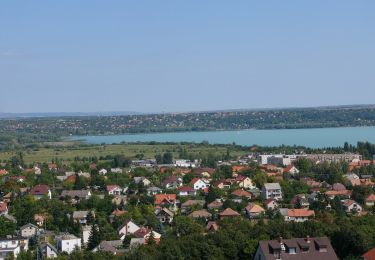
(117, 210)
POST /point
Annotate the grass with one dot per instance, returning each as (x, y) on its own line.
(129, 150)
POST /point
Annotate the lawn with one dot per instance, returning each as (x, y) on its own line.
(128, 150)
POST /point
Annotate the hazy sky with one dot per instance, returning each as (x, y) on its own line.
(153, 56)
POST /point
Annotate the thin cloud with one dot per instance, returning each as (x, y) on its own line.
(9, 54)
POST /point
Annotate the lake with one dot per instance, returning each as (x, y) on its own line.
(315, 138)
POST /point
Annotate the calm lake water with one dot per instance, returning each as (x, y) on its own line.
(317, 137)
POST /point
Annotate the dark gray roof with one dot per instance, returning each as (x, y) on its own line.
(313, 245)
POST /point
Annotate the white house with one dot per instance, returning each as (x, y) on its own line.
(199, 184)
(86, 230)
(297, 215)
(245, 182)
(129, 227)
(114, 190)
(351, 206)
(49, 251)
(271, 204)
(185, 163)
(103, 171)
(144, 180)
(13, 246)
(116, 170)
(28, 230)
(291, 169)
(68, 243)
(272, 191)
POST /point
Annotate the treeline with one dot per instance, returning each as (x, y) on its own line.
(203, 121)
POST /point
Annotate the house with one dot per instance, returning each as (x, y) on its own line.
(172, 182)
(12, 246)
(37, 170)
(361, 182)
(166, 200)
(190, 203)
(212, 226)
(86, 231)
(3, 208)
(164, 215)
(39, 219)
(297, 215)
(240, 193)
(291, 169)
(76, 195)
(28, 230)
(331, 194)
(370, 200)
(203, 213)
(229, 213)
(351, 206)
(369, 255)
(48, 250)
(272, 191)
(52, 166)
(113, 190)
(3, 172)
(200, 184)
(142, 180)
(300, 200)
(116, 170)
(204, 172)
(185, 163)
(245, 182)
(80, 216)
(271, 204)
(113, 246)
(222, 184)
(254, 210)
(118, 213)
(40, 191)
(214, 205)
(186, 191)
(153, 190)
(103, 171)
(129, 227)
(145, 234)
(338, 187)
(68, 243)
(118, 199)
(296, 248)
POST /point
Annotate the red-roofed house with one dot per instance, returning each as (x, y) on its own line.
(254, 210)
(370, 200)
(40, 191)
(113, 190)
(297, 215)
(3, 172)
(291, 169)
(186, 191)
(166, 200)
(241, 193)
(3, 208)
(370, 255)
(229, 213)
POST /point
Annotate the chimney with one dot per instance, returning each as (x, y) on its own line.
(308, 240)
(280, 239)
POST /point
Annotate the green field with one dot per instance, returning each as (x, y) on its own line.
(128, 150)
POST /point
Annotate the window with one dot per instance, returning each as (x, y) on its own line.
(292, 250)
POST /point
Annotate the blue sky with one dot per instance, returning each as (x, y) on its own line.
(154, 56)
